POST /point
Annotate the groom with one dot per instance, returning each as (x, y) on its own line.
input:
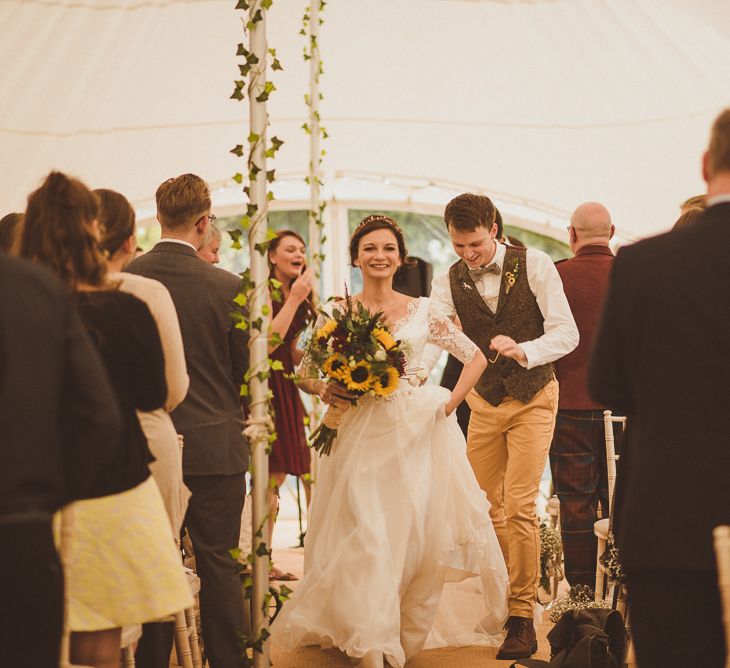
(511, 303)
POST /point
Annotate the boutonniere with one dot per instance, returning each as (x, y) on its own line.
(511, 276)
(467, 286)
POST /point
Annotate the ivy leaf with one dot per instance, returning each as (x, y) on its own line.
(270, 236)
(238, 177)
(241, 50)
(261, 550)
(270, 196)
(276, 284)
(241, 299)
(266, 4)
(277, 365)
(266, 309)
(276, 143)
(236, 95)
(251, 210)
(242, 4)
(237, 150)
(270, 175)
(253, 137)
(253, 171)
(276, 65)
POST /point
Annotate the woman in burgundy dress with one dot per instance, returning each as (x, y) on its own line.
(291, 314)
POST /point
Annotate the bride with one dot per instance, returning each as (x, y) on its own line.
(396, 512)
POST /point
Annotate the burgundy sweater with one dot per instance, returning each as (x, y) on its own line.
(585, 280)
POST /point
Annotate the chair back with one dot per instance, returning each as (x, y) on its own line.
(721, 537)
(608, 421)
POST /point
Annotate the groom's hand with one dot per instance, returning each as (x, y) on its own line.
(508, 347)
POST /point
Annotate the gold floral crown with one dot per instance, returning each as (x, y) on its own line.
(380, 218)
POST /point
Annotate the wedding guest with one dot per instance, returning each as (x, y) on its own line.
(211, 245)
(661, 358)
(696, 202)
(125, 565)
(290, 315)
(509, 301)
(688, 217)
(119, 240)
(9, 225)
(117, 219)
(215, 456)
(60, 430)
(577, 453)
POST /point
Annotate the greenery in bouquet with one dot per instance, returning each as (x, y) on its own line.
(551, 553)
(579, 597)
(356, 350)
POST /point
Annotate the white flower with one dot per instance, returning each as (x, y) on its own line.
(380, 355)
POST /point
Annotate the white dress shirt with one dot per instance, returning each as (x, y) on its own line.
(561, 333)
(717, 199)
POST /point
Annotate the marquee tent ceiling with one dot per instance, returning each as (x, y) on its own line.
(551, 102)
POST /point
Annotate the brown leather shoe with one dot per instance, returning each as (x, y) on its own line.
(521, 641)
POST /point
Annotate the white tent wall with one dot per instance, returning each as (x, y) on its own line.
(551, 102)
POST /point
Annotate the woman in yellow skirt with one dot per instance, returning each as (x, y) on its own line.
(125, 568)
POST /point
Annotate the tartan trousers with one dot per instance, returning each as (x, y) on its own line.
(578, 466)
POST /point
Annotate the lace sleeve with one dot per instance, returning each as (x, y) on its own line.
(306, 369)
(445, 334)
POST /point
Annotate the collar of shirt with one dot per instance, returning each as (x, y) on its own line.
(717, 199)
(497, 258)
(594, 249)
(170, 240)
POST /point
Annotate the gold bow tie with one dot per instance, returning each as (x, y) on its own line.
(480, 272)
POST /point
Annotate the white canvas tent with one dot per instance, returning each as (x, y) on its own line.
(541, 104)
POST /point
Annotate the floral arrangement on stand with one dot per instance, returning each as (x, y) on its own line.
(356, 350)
(579, 597)
(551, 554)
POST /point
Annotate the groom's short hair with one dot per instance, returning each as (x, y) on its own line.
(468, 211)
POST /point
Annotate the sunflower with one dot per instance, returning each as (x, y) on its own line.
(384, 338)
(386, 382)
(334, 366)
(325, 331)
(357, 378)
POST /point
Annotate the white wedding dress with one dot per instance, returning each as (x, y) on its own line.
(397, 513)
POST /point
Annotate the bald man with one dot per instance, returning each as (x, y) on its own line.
(577, 456)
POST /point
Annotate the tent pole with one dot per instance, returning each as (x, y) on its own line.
(258, 344)
(315, 231)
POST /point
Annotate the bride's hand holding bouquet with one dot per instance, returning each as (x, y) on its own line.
(356, 355)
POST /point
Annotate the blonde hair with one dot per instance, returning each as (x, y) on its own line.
(181, 201)
(718, 152)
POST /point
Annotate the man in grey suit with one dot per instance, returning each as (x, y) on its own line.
(215, 456)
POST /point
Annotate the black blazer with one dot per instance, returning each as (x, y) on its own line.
(60, 424)
(210, 418)
(662, 357)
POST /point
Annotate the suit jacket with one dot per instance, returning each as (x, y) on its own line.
(210, 418)
(662, 357)
(60, 424)
(585, 281)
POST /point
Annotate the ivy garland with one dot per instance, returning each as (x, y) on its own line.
(310, 51)
(250, 73)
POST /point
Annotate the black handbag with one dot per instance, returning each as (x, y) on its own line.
(593, 638)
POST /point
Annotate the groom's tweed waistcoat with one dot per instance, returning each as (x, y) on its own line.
(518, 316)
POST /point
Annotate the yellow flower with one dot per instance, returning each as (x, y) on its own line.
(384, 338)
(357, 378)
(325, 331)
(334, 366)
(387, 382)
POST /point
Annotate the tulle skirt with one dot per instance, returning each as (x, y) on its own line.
(396, 513)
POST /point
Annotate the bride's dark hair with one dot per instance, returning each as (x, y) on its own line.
(372, 223)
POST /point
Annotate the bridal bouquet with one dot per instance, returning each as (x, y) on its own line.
(355, 350)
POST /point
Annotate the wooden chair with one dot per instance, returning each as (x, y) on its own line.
(721, 537)
(602, 527)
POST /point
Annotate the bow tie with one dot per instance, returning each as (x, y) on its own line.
(481, 272)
